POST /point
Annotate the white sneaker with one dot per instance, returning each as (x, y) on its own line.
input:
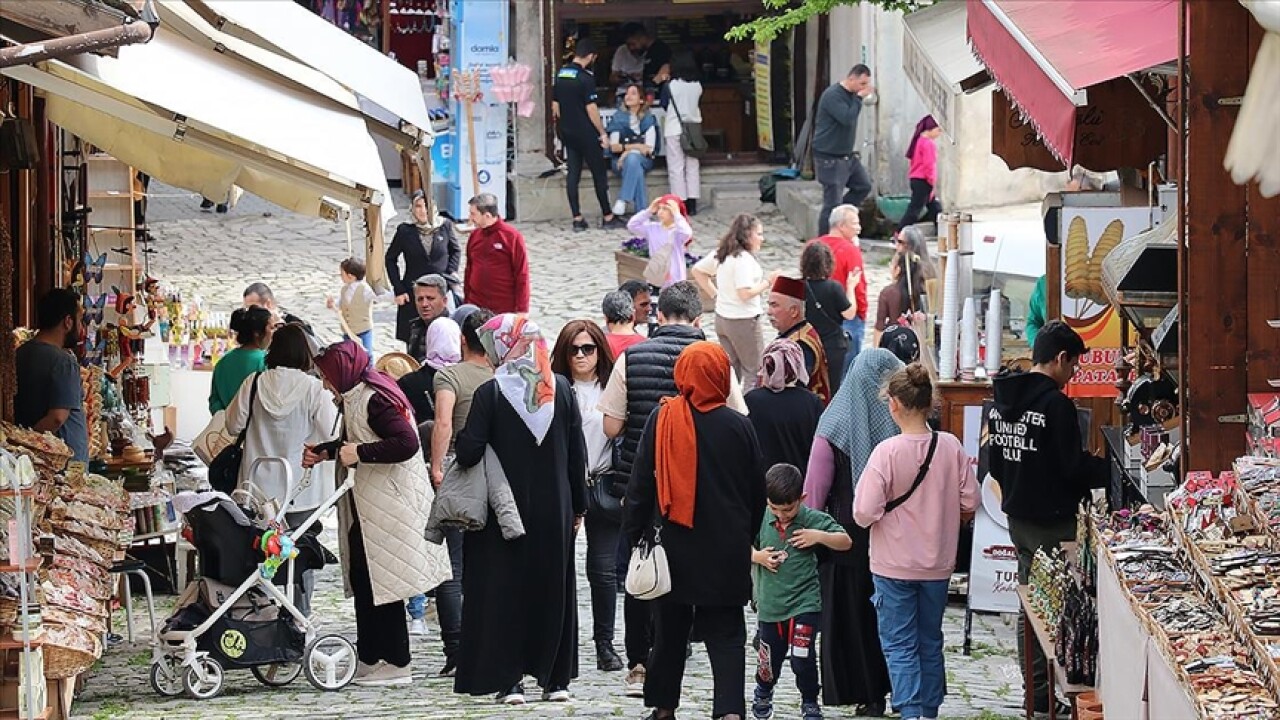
(634, 683)
(557, 695)
(620, 207)
(417, 626)
(363, 671)
(514, 696)
(386, 674)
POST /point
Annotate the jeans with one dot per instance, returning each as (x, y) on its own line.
(922, 201)
(577, 153)
(1028, 538)
(796, 638)
(909, 614)
(449, 596)
(632, 169)
(365, 338)
(857, 329)
(602, 553)
(416, 606)
(844, 180)
(724, 632)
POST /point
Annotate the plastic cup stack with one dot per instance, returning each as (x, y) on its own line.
(950, 318)
(995, 333)
(968, 341)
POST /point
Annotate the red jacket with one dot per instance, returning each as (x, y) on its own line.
(848, 257)
(497, 277)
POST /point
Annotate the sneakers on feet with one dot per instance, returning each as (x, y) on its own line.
(580, 225)
(876, 709)
(514, 696)
(556, 694)
(607, 658)
(417, 626)
(450, 668)
(616, 223)
(762, 704)
(634, 683)
(206, 205)
(385, 674)
(363, 671)
(811, 711)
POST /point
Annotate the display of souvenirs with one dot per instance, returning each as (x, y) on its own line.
(1045, 585)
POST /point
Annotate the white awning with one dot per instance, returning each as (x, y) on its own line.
(937, 59)
(388, 91)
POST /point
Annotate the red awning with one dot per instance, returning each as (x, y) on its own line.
(1045, 54)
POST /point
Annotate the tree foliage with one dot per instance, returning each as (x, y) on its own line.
(783, 15)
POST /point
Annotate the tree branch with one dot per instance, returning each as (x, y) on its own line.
(787, 14)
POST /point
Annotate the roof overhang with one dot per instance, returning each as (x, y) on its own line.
(938, 62)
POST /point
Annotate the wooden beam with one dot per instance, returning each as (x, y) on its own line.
(1212, 258)
(60, 18)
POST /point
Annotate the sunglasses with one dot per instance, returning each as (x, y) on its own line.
(584, 350)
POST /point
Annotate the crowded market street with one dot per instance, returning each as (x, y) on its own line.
(216, 256)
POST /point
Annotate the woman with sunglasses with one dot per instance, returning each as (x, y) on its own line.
(582, 356)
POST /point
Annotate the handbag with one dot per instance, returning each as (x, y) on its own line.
(212, 439)
(648, 575)
(692, 141)
(224, 471)
(924, 470)
(602, 498)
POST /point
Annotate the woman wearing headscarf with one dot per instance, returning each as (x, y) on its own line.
(856, 421)
(520, 616)
(385, 556)
(428, 245)
(443, 349)
(699, 479)
(783, 411)
(923, 174)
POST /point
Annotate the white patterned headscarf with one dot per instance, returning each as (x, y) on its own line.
(517, 350)
(858, 419)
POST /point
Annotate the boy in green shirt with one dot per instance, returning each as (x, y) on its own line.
(788, 594)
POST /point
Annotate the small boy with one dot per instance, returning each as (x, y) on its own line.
(788, 594)
(355, 303)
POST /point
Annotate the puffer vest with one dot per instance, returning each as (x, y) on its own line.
(651, 376)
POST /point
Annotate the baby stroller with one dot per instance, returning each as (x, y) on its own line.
(235, 617)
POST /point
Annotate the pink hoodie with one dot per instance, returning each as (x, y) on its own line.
(924, 161)
(917, 541)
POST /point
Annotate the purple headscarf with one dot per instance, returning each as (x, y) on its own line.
(346, 364)
(926, 124)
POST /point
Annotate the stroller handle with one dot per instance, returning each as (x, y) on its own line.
(291, 488)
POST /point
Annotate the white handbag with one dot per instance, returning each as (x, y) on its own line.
(213, 439)
(648, 576)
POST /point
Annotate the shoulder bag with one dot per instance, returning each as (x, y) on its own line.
(692, 141)
(224, 471)
(648, 575)
(924, 470)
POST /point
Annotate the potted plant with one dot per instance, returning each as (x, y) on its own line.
(632, 257)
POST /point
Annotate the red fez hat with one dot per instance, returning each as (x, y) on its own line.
(790, 287)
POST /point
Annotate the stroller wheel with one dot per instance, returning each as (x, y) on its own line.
(166, 677)
(277, 674)
(203, 681)
(330, 662)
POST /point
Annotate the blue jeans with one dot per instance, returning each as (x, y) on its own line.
(632, 170)
(909, 613)
(365, 338)
(857, 329)
(417, 607)
(448, 598)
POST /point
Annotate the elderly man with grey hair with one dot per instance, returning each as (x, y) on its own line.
(431, 298)
(497, 275)
(846, 249)
(620, 321)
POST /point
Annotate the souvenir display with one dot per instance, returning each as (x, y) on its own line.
(1046, 584)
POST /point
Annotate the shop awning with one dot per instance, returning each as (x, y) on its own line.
(193, 118)
(388, 92)
(1045, 55)
(937, 59)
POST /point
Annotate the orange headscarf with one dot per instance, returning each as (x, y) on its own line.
(702, 379)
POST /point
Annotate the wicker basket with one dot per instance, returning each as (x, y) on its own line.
(62, 662)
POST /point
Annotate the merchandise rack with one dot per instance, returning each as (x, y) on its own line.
(33, 689)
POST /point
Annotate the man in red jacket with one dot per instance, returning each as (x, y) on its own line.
(497, 277)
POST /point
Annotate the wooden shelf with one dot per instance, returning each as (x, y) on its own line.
(31, 565)
(15, 714)
(8, 643)
(24, 492)
(114, 195)
(154, 536)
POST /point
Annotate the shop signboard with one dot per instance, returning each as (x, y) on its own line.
(481, 41)
(764, 94)
(993, 563)
(1088, 234)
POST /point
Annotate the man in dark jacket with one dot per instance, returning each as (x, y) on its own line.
(642, 377)
(838, 166)
(1037, 455)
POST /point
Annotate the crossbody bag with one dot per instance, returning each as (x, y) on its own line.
(692, 141)
(924, 470)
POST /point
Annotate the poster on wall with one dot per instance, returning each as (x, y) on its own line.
(480, 42)
(1088, 235)
(764, 94)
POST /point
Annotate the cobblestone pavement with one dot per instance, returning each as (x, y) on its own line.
(217, 255)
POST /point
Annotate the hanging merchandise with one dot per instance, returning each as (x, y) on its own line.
(511, 85)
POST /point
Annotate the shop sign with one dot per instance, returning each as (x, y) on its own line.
(764, 94)
(1084, 306)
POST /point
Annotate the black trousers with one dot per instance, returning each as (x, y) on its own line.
(602, 554)
(796, 638)
(1028, 538)
(844, 180)
(449, 596)
(724, 632)
(922, 201)
(637, 618)
(382, 632)
(577, 152)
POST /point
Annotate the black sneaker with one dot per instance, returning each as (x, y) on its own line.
(614, 224)
(206, 205)
(450, 668)
(514, 696)
(875, 709)
(762, 704)
(221, 209)
(580, 225)
(558, 693)
(811, 711)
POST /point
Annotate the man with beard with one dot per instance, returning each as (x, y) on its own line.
(50, 398)
(786, 314)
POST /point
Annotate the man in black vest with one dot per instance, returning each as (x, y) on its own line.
(643, 375)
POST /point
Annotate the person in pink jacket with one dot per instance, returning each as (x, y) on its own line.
(913, 494)
(923, 174)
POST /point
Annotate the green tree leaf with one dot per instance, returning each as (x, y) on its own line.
(782, 15)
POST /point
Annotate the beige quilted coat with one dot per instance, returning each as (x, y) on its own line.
(393, 502)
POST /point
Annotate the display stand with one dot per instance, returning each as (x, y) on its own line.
(1040, 635)
(32, 694)
(113, 189)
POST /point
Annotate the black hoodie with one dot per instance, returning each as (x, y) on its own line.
(1035, 450)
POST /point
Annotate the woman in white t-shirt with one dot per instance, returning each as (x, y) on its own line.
(735, 279)
(684, 93)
